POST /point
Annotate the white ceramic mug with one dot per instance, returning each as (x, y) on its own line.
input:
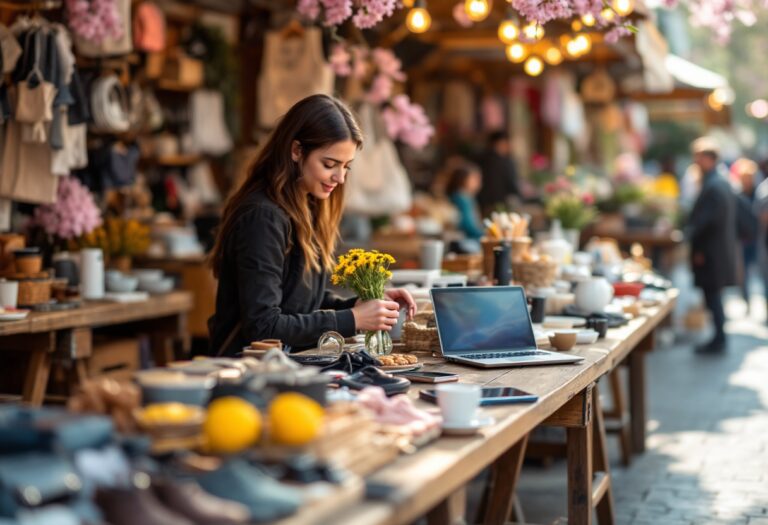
(458, 403)
(432, 254)
(9, 293)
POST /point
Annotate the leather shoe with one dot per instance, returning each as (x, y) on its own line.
(372, 376)
(351, 362)
(128, 506)
(191, 501)
(713, 347)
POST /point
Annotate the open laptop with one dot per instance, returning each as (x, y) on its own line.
(489, 327)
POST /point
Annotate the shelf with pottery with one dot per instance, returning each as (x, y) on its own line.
(427, 482)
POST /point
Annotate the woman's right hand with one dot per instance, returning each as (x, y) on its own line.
(376, 314)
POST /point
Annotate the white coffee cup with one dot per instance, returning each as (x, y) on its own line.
(9, 293)
(432, 254)
(458, 403)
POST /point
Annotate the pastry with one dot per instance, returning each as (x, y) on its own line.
(398, 360)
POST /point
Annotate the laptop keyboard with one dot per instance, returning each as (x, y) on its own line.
(497, 355)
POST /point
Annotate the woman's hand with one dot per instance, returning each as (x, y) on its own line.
(403, 298)
(376, 314)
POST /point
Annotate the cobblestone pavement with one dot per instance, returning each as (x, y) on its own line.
(707, 451)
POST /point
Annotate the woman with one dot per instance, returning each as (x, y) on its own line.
(463, 185)
(275, 247)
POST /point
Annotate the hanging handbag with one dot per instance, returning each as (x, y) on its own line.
(34, 102)
(109, 104)
(378, 184)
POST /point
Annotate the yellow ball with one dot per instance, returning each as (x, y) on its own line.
(294, 419)
(231, 425)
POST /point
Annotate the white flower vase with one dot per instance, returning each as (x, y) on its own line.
(573, 236)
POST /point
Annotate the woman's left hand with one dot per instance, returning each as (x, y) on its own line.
(404, 298)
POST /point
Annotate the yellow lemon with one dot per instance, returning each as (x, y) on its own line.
(159, 413)
(231, 425)
(295, 419)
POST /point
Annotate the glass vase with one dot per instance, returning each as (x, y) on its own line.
(378, 342)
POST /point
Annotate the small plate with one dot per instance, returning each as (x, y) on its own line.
(563, 321)
(586, 337)
(470, 429)
(13, 315)
(397, 369)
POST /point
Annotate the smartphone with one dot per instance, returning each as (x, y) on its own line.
(430, 377)
(491, 395)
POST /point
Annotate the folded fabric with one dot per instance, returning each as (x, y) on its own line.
(34, 479)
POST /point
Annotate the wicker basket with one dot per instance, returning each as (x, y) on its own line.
(34, 291)
(418, 336)
(539, 273)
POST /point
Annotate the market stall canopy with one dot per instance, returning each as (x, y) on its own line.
(689, 75)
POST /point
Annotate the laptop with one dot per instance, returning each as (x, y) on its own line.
(489, 327)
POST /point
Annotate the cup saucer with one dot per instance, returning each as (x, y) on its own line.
(467, 429)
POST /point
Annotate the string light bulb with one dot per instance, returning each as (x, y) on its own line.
(577, 25)
(533, 31)
(509, 31)
(588, 20)
(516, 52)
(418, 19)
(607, 14)
(408, 3)
(623, 7)
(584, 43)
(572, 48)
(477, 10)
(533, 66)
(553, 56)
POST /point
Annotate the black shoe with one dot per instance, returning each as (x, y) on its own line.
(372, 376)
(351, 362)
(713, 347)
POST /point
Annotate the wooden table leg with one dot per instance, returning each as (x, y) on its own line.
(602, 495)
(40, 348)
(637, 406)
(503, 479)
(163, 334)
(450, 511)
(579, 475)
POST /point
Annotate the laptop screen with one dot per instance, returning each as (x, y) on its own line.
(482, 319)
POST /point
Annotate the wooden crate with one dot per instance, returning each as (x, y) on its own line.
(114, 358)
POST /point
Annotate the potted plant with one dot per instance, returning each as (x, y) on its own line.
(573, 210)
(119, 239)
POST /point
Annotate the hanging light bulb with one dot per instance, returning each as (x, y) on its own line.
(408, 3)
(533, 31)
(607, 14)
(533, 66)
(418, 19)
(584, 43)
(553, 56)
(572, 48)
(509, 30)
(623, 7)
(477, 10)
(588, 19)
(577, 25)
(516, 52)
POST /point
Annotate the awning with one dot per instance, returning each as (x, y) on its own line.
(687, 74)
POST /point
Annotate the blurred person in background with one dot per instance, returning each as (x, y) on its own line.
(710, 231)
(761, 242)
(743, 174)
(500, 180)
(464, 183)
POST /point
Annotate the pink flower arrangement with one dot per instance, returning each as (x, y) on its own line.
(73, 214)
(407, 122)
(364, 13)
(340, 61)
(95, 20)
(588, 199)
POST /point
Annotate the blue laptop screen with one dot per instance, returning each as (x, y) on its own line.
(492, 318)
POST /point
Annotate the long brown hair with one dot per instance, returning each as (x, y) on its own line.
(315, 122)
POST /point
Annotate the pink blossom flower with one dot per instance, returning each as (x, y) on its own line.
(388, 64)
(95, 20)
(73, 214)
(539, 161)
(588, 199)
(550, 188)
(407, 122)
(381, 89)
(340, 61)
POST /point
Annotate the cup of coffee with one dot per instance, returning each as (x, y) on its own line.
(9, 293)
(458, 403)
(563, 340)
(432, 254)
(598, 325)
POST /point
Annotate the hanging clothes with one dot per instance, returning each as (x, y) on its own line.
(208, 127)
(293, 68)
(492, 110)
(149, 28)
(459, 106)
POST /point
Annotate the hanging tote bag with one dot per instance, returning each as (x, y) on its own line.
(34, 104)
(378, 184)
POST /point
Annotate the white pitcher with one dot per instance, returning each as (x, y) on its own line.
(593, 294)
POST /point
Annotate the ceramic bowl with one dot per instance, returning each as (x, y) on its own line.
(163, 386)
(147, 275)
(163, 285)
(586, 337)
(122, 284)
(563, 340)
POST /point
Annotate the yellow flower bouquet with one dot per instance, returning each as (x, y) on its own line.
(118, 238)
(366, 273)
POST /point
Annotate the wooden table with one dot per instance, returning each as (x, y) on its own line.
(40, 335)
(425, 482)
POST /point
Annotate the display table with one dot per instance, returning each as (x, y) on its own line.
(428, 481)
(69, 334)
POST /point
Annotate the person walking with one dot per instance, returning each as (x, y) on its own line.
(761, 211)
(499, 174)
(711, 232)
(743, 173)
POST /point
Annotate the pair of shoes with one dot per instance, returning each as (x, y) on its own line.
(372, 376)
(351, 362)
(715, 346)
(187, 498)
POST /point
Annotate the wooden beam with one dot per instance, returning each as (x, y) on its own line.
(576, 413)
